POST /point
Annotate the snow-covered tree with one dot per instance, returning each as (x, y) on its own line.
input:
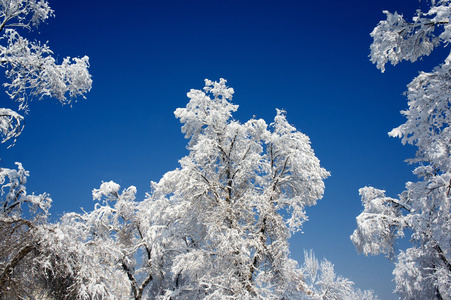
(17, 232)
(131, 239)
(244, 189)
(423, 209)
(36, 257)
(237, 197)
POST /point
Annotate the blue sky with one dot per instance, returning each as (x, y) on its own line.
(307, 57)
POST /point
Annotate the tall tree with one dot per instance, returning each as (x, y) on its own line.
(238, 196)
(422, 271)
(244, 189)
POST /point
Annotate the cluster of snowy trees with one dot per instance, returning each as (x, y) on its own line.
(216, 228)
(422, 271)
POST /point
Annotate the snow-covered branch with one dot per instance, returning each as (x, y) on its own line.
(11, 125)
(396, 39)
(31, 70)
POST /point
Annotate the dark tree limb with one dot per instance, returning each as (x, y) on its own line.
(6, 274)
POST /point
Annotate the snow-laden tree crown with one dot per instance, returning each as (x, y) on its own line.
(234, 186)
(422, 271)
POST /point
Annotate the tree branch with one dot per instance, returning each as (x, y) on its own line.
(442, 257)
(143, 286)
(6, 274)
(131, 278)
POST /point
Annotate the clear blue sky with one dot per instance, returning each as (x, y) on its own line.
(307, 57)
